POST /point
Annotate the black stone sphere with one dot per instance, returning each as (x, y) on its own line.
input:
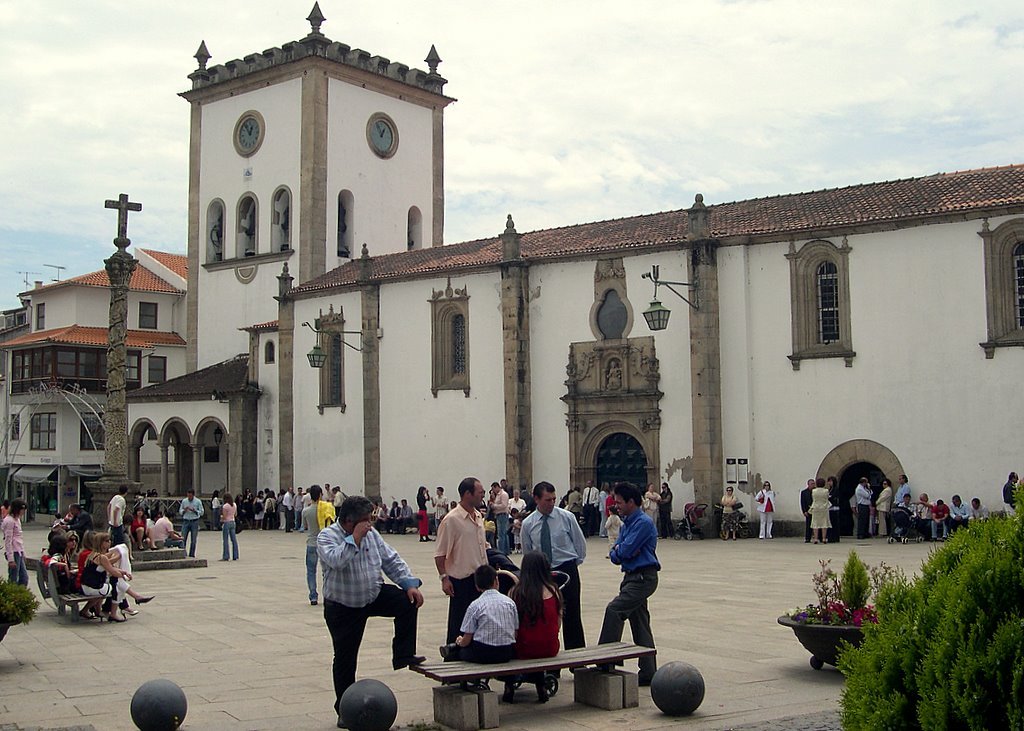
(159, 705)
(368, 705)
(677, 688)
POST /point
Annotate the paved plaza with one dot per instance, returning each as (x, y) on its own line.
(250, 652)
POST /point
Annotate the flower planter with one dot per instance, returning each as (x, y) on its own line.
(823, 640)
(4, 626)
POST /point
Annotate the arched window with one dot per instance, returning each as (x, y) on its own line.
(414, 229)
(280, 230)
(819, 275)
(332, 374)
(449, 340)
(215, 231)
(346, 204)
(1018, 268)
(246, 240)
(268, 352)
(827, 283)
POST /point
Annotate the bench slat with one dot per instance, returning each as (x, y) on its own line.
(454, 672)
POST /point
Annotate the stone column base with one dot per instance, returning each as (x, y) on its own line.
(104, 489)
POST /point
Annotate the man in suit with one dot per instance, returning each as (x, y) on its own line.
(805, 508)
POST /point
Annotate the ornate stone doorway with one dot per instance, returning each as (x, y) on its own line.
(850, 461)
(621, 458)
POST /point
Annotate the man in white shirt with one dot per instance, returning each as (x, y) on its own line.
(591, 509)
(863, 496)
(289, 511)
(517, 503)
(498, 502)
(115, 515)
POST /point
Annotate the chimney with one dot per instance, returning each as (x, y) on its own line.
(39, 283)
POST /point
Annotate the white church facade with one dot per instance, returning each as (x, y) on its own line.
(874, 330)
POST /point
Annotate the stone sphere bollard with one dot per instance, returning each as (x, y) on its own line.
(159, 705)
(368, 705)
(677, 688)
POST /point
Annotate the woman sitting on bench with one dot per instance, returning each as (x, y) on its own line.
(97, 574)
(540, 604)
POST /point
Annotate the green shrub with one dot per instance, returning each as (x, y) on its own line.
(948, 650)
(855, 586)
(17, 604)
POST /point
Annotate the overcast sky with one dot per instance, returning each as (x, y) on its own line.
(567, 111)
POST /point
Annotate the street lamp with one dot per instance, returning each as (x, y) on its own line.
(317, 357)
(218, 435)
(657, 314)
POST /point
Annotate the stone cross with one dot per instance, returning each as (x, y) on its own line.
(123, 206)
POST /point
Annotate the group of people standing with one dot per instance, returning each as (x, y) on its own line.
(483, 624)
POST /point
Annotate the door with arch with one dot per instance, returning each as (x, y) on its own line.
(621, 458)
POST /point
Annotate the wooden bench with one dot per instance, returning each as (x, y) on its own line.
(594, 682)
(63, 601)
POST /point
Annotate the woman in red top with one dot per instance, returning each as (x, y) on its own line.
(540, 617)
(139, 529)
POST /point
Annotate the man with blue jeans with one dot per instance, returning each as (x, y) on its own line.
(635, 553)
(312, 528)
(191, 510)
(498, 503)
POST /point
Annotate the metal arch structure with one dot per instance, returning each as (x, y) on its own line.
(72, 394)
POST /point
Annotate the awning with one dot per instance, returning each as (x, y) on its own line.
(33, 473)
(85, 470)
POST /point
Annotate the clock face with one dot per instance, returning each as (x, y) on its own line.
(382, 135)
(249, 133)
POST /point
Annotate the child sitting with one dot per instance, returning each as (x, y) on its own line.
(489, 627)
(540, 617)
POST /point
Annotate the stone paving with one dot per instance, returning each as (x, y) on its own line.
(250, 652)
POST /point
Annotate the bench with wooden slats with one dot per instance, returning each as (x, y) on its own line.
(460, 671)
(461, 706)
(62, 601)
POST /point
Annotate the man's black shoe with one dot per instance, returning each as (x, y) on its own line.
(404, 662)
(449, 651)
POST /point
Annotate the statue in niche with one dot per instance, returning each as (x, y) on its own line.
(613, 375)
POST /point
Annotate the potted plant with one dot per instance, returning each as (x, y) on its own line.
(841, 610)
(17, 606)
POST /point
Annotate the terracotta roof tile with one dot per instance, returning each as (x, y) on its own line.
(143, 280)
(98, 336)
(261, 327)
(228, 377)
(795, 214)
(177, 263)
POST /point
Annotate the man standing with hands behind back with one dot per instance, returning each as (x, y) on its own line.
(461, 549)
(353, 555)
(556, 533)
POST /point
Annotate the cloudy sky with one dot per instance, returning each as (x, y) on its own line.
(568, 111)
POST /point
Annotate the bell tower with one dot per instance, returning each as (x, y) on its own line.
(301, 154)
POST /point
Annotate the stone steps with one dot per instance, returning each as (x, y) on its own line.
(160, 559)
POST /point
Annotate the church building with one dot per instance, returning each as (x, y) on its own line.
(873, 330)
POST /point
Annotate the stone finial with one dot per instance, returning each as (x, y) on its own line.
(510, 240)
(697, 219)
(284, 283)
(365, 253)
(316, 18)
(432, 59)
(202, 55)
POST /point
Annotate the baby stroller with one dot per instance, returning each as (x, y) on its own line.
(689, 526)
(742, 526)
(903, 528)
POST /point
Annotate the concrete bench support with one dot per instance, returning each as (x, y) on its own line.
(465, 710)
(611, 691)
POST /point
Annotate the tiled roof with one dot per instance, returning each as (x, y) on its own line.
(177, 263)
(143, 280)
(261, 327)
(228, 377)
(98, 336)
(799, 214)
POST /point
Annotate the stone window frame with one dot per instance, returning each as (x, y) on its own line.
(804, 307)
(414, 228)
(445, 306)
(331, 339)
(242, 254)
(345, 236)
(41, 316)
(269, 352)
(1004, 330)
(213, 252)
(156, 365)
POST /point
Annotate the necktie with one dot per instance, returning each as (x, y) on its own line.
(545, 538)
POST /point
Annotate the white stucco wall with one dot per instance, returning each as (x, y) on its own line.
(267, 429)
(920, 384)
(328, 446)
(438, 441)
(227, 304)
(383, 190)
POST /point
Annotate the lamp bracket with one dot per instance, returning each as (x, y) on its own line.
(668, 284)
(318, 331)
